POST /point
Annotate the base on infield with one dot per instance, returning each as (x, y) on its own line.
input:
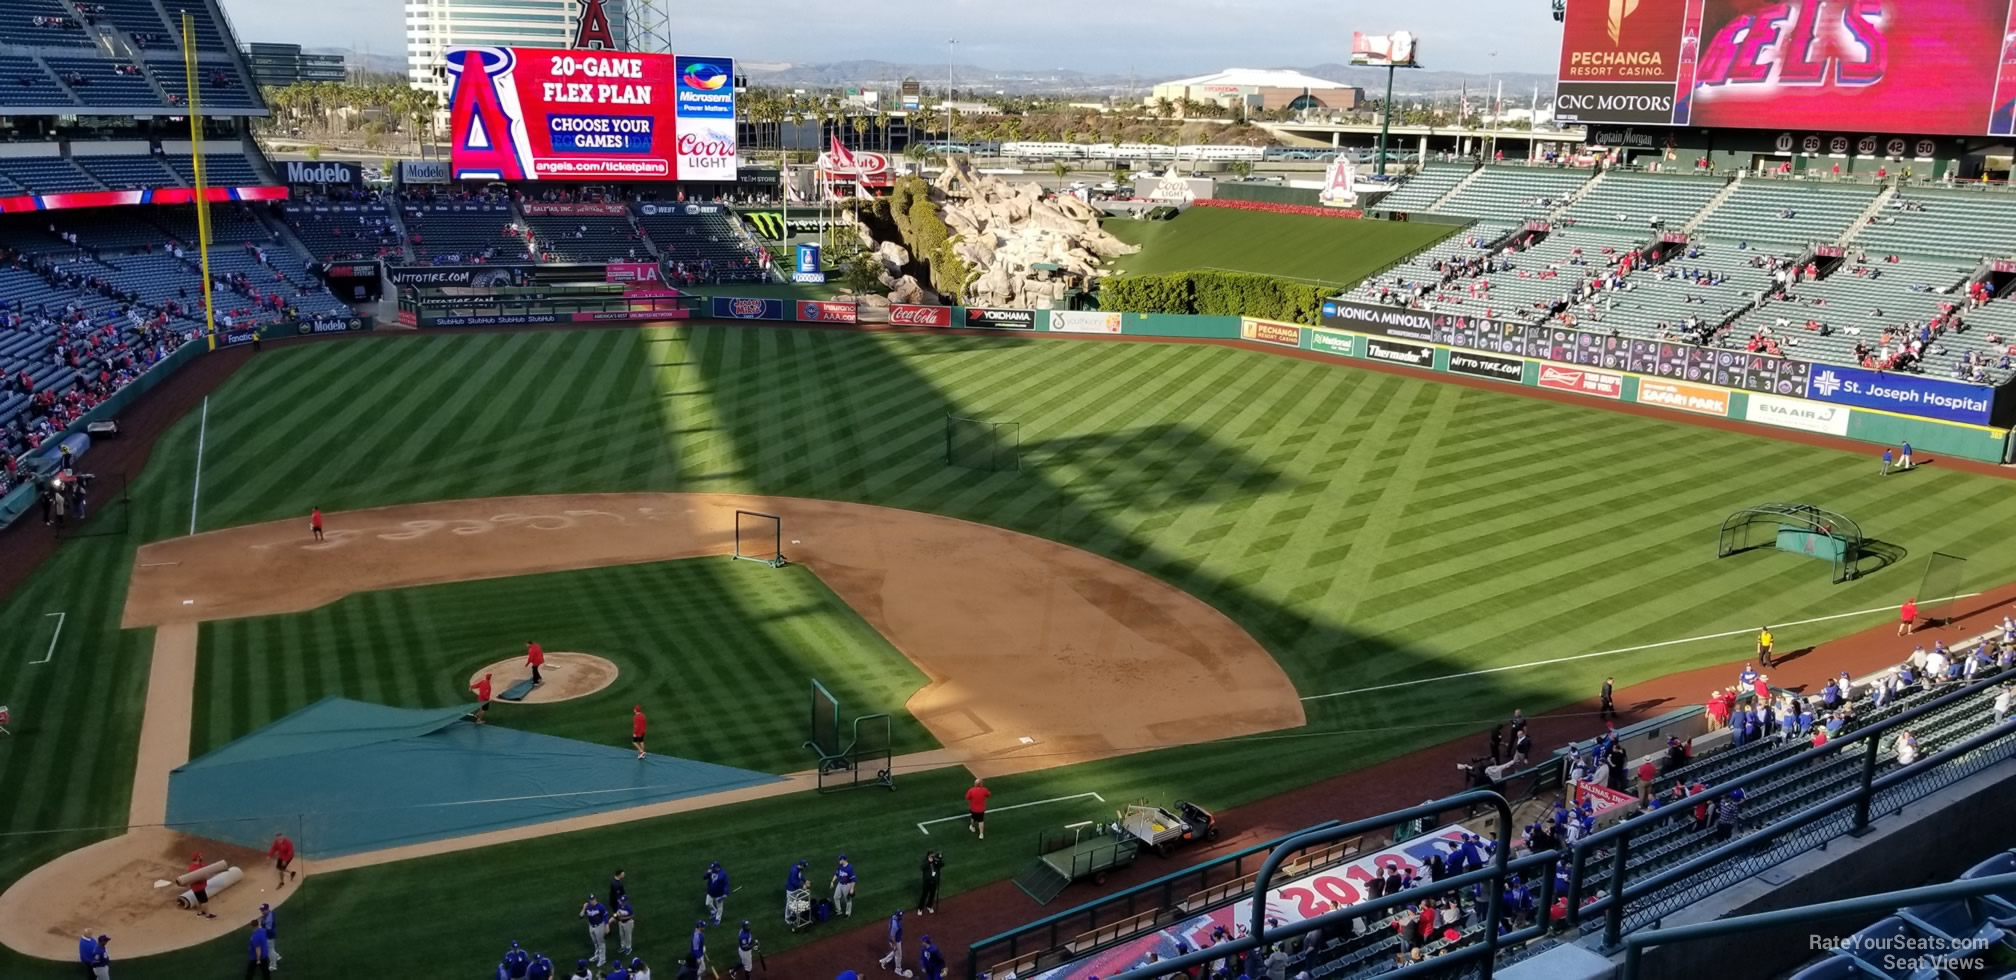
(565, 677)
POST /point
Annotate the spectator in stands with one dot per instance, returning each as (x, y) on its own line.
(1729, 814)
(1906, 747)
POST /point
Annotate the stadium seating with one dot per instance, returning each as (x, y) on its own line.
(26, 81)
(40, 24)
(585, 238)
(101, 82)
(1631, 200)
(1858, 308)
(702, 247)
(129, 172)
(1960, 222)
(209, 35)
(140, 18)
(48, 175)
(1787, 212)
(222, 84)
(468, 230)
(1514, 193)
(1955, 929)
(1416, 193)
(219, 170)
(340, 234)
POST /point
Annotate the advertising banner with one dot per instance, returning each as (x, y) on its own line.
(536, 209)
(977, 316)
(1602, 384)
(738, 308)
(1291, 902)
(1907, 394)
(705, 108)
(913, 315)
(817, 311)
(1928, 66)
(546, 114)
(1268, 332)
(1393, 321)
(1797, 413)
(1685, 397)
(486, 276)
(1340, 344)
(1081, 321)
(158, 195)
(805, 265)
(423, 172)
(631, 272)
(1412, 355)
(346, 172)
(1487, 366)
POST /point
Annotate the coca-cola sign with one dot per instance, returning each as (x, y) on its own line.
(912, 315)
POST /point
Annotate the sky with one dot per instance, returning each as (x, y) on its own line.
(1154, 38)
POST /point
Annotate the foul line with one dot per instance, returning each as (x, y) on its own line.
(60, 617)
(1611, 653)
(196, 490)
(921, 824)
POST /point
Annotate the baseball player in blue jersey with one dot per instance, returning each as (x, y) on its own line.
(272, 932)
(597, 915)
(794, 884)
(638, 971)
(931, 960)
(259, 955)
(541, 968)
(894, 958)
(626, 920)
(698, 945)
(717, 891)
(617, 972)
(516, 963)
(581, 971)
(503, 972)
(843, 888)
(745, 949)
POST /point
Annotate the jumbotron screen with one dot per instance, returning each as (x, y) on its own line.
(580, 114)
(1943, 67)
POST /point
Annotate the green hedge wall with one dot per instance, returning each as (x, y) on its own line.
(1215, 294)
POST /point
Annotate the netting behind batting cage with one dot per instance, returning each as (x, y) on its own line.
(759, 537)
(824, 735)
(1939, 590)
(1801, 529)
(983, 444)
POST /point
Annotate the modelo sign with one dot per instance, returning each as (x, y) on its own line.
(325, 172)
(423, 172)
(1905, 394)
(915, 315)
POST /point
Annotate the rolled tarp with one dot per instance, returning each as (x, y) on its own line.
(204, 873)
(215, 886)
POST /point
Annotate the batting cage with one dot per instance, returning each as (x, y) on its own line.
(1939, 590)
(861, 756)
(759, 537)
(1802, 529)
(983, 444)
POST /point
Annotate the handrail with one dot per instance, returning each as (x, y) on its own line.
(1256, 936)
(1634, 944)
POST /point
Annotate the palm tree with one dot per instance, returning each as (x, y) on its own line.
(1163, 107)
(1061, 169)
(861, 126)
(882, 124)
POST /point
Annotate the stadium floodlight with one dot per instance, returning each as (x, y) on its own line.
(647, 26)
(1388, 51)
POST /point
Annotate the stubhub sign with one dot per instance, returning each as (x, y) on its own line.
(1905, 394)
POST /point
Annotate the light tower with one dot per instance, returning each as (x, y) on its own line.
(647, 25)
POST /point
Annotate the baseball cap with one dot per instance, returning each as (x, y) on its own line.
(637, 964)
(699, 923)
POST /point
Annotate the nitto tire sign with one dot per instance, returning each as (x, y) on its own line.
(1412, 355)
(1486, 366)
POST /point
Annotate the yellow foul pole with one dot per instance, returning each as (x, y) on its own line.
(196, 167)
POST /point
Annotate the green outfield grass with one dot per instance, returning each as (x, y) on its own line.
(1367, 528)
(1330, 251)
(720, 650)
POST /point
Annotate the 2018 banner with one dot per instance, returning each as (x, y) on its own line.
(1908, 394)
(740, 308)
(540, 209)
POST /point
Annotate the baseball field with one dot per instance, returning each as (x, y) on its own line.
(1295, 246)
(1404, 553)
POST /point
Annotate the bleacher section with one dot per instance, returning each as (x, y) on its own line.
(48, 175)
(1424, 188)
(209, 36)
(223, 86)
(1953, 930)
(24, 82)
(584, 237)
(219, 170)
(1787, 212)
(706, 246)
(1969, 223)
(351, 231)
(469, 230)
(40, 24)
(1858, 308)
(1631, 201)
(129, 172)
(100, 82)
(1503, 193)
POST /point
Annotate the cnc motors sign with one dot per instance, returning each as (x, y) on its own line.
(549, 114)
(1898, 66)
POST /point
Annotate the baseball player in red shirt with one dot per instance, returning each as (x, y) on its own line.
(535, 658)
(976, 808)
(315, 522)
(282, 853)
(482, 689)
(637, 729)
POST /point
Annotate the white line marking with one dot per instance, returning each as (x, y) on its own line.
(1609, 653)
(196, 489)
(1013, 806)
(60, 617)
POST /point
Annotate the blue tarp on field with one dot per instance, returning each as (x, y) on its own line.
(343, 776)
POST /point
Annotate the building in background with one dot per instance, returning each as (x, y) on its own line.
(285, 64)
(1256, 89)
(435, 26)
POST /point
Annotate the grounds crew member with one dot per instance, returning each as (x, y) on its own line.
(843, 888)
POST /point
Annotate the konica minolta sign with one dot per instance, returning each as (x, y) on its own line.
(1393, 321)
(347, 172)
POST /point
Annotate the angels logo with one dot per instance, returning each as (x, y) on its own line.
(592, 30)
(487, 124)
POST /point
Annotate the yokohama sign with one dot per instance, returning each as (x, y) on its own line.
(912, 315)
(1602, 384)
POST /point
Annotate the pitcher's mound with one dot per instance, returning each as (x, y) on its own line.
(566, 676)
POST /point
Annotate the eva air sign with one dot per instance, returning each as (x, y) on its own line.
(1905, 394)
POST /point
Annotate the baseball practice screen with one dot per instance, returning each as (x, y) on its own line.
(545, 114)
(1944, 67)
